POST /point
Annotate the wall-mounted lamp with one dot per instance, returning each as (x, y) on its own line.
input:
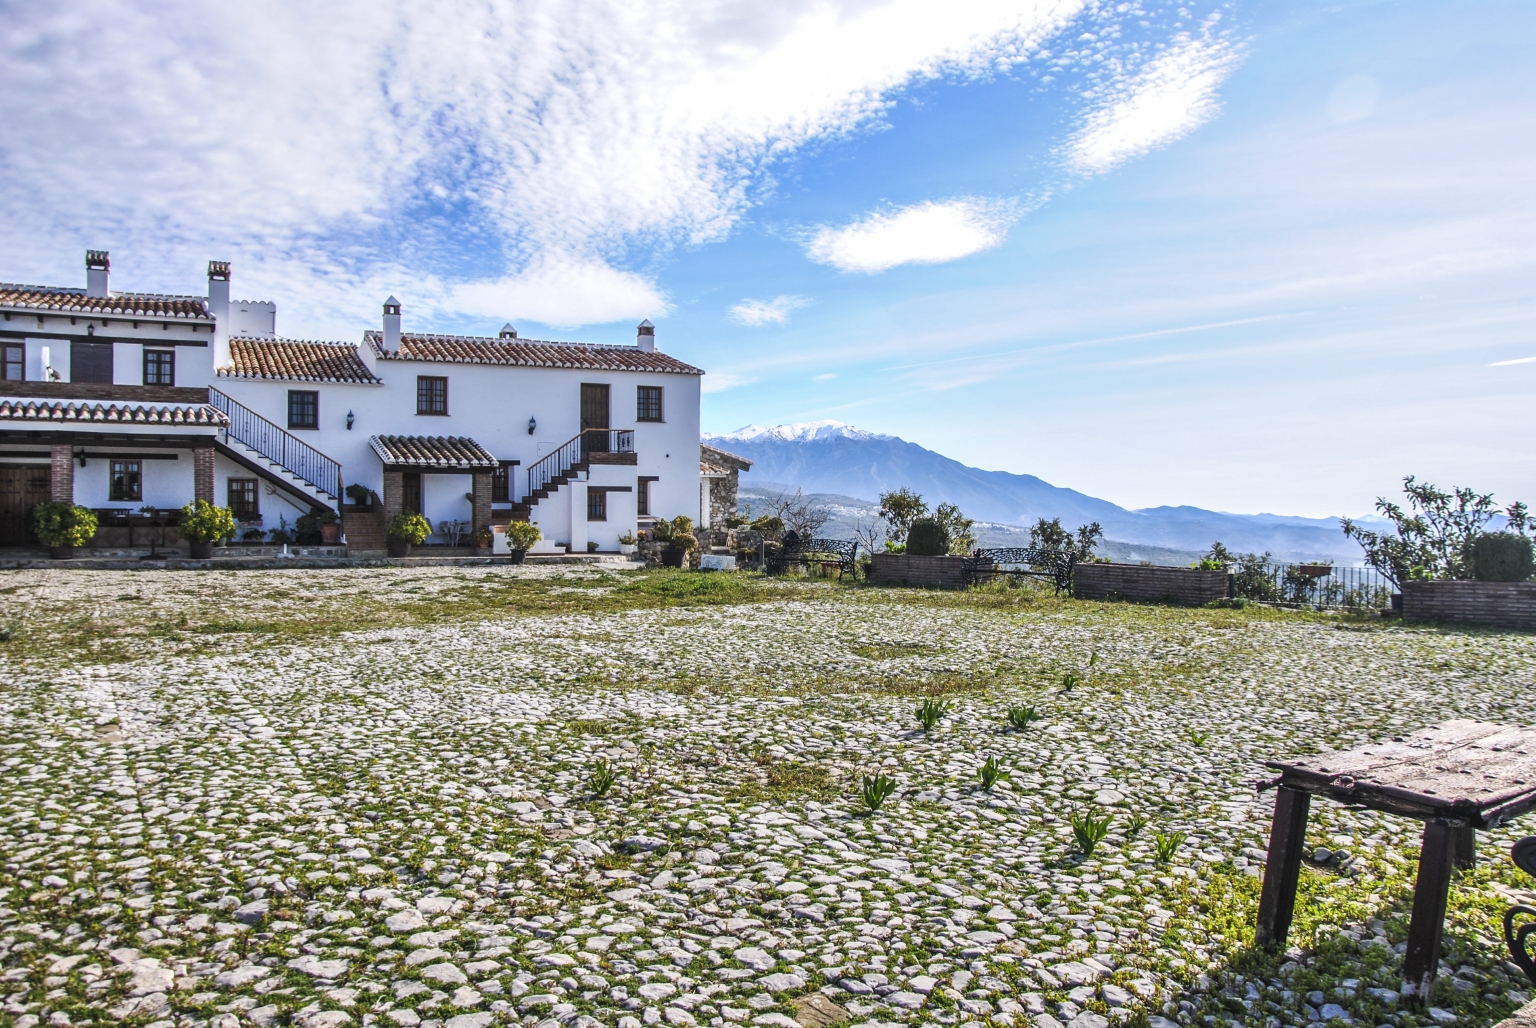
(350, 418)
(82, 459)
(532, 426)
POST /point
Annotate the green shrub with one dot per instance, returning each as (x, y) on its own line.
(768, 523)
(360, 494)
(521, 535)
(1167, 845)
(1021, 717)
(875, 791)
(61, 523)
(1500, 557)
(1089, 830)
(410, 527)
(927, 538)
(930, 712)
(602, 776)
(306, 529)
(991, 773)
(202, 522)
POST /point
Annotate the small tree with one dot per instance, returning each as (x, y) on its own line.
(521, 535)
(410, 527)
(204, 522)
(957, 526)
(898, 509)
(1050, 535)
(61, 523)
(1434, 535)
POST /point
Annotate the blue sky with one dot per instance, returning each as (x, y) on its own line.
(1252, 257)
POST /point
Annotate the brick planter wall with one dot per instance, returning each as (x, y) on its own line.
(1505, 604)
(945, 572)
(1141, 583)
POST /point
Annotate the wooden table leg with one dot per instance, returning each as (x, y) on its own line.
(1282, 868)
(1464, 848)
(1422, 961)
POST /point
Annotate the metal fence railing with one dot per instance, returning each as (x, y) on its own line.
(278, 446)
(1313, 585)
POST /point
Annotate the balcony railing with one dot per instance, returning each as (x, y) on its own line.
(576, 452)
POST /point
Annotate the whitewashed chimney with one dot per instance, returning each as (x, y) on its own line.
(646, 337)
(218, 309)
(507, 332)
(391, 325)
(97, 264)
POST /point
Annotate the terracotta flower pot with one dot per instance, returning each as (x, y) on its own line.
(201, 551)
(399, 547)
(330, 534)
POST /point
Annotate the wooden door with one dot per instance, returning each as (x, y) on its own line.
(410, 483)
(22, 487)
(594, 414)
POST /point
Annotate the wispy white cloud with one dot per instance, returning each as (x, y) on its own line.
(1517, 360)
(767, 312)
(532, 133)
(1165, 100)
(563, 292)
(720, 381)
(925, 233)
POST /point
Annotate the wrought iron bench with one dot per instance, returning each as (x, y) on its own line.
(824, 553)
(1023, 561)
(1523, 853)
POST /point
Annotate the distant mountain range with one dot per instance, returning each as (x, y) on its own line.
(834, 458)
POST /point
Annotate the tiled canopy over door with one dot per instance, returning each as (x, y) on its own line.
(90, 362)
(22, 487)
(594, 414)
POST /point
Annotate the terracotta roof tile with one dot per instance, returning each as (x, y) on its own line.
(295, 360)
(74, 301)
(431, 451)
(197, 414)
(527, 353)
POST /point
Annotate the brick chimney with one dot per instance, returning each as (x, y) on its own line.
(97, 264)
(646, 337)
(218, 308)
(391, 325)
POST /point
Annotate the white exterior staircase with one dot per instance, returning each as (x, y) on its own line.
(277, 454)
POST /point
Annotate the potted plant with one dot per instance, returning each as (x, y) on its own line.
(520, 538)
(407, 529)
(627, 543)
(361, 496)
(62, 526)
(678, 535)
(282, 533)
(202, 524)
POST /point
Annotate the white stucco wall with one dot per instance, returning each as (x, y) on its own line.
(492, 405)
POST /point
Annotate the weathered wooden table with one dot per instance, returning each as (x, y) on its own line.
(1456, 777)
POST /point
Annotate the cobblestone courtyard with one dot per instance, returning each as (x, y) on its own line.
(366, 797)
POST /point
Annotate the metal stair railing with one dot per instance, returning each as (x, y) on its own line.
(574, 451)
(280, 447)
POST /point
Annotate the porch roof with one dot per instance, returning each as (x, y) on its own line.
(191, 415)
(432, 452)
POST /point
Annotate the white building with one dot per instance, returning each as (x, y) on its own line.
(133, 404)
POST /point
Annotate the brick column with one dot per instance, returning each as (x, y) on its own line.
(394, 494)
(202, 473)
(480, 502)
(61, 482)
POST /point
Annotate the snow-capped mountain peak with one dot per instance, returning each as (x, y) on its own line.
(804, 432)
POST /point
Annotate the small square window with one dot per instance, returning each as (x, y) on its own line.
(159, 367)
(11, 367)
(431, 394)
(597, 505)
(127, 481)
(243, 503)
(303, 408)
(648, 403)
